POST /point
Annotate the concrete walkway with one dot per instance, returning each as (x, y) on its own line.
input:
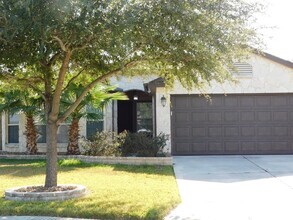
(234, 188)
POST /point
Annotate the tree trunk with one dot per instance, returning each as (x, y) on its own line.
(72, 147)
(51, 165)
(31, 135)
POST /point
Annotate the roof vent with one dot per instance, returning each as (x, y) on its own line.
(242, 69)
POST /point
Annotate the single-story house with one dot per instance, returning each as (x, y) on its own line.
(252, 116)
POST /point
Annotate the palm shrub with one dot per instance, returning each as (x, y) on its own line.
(16, 101)
(90, 108)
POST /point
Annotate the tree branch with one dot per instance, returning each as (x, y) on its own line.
(53, 59)
(85, 45)
(90, 86)
(72, 79)
(62, 45)
(59, 87)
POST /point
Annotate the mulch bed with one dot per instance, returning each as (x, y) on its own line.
(45, 189)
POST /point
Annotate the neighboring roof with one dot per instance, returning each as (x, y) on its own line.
(275, 59)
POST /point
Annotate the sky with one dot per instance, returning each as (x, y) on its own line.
(279, 38)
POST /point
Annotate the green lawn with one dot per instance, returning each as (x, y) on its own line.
(116, 191)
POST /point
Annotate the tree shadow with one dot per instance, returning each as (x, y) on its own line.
(28, 168)
(82, 208)
(146, 169)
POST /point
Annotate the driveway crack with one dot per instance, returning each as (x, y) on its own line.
(268, 172)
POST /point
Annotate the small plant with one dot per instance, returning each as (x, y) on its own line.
(144, 145)
(104, 144)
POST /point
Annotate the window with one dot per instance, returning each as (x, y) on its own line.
(13, 128)
(242, 69)
(95, 123)
(62, 132)
(41, 129)
(144, 116)
(92, 127)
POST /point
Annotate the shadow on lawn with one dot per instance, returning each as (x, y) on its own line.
(146, 169)
(26, 168)
(82, 208)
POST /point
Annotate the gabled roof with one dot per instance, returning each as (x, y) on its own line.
(275, 59)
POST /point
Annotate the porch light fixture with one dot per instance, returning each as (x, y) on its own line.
(163, 101)
(135, 97)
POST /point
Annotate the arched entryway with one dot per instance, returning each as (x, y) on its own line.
(135, 114)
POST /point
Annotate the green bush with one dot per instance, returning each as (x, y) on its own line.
(104, 144)
(144, 145)
(125, 144)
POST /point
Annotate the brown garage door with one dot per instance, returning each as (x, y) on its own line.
(232, 124)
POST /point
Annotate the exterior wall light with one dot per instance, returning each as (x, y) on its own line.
(135, 97)
(163, 101)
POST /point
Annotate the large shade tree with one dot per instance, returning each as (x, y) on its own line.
(48, 44)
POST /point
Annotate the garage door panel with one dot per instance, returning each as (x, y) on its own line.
(264, 131)
(182, 148)
(263, 101)
(199, 148)
(232, 124)
(182, 103)
(216, 103)
(278, 101)
(264, 147)
(247, 101)
(264, 116)
(182, 132)
(281, 147)
(231, 131)
(214, 132)
(280, 116)
(199, 103)
(231, 101)
(198, 132)
(198, 117)
(214, 117)
(248, 147)
(247, 116)
(232, 147)
(215, 147)
(280, 131)
(247, 132)
(182, 117)
(231, 116)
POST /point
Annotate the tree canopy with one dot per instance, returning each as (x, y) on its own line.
(48, 44)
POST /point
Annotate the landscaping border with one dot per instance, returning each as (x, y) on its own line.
(162, 161)
(13, 194)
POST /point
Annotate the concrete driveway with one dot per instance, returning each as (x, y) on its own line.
(234, 188)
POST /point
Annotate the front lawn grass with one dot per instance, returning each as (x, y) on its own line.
(115, 191)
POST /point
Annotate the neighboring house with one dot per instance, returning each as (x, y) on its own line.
(253, 116)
